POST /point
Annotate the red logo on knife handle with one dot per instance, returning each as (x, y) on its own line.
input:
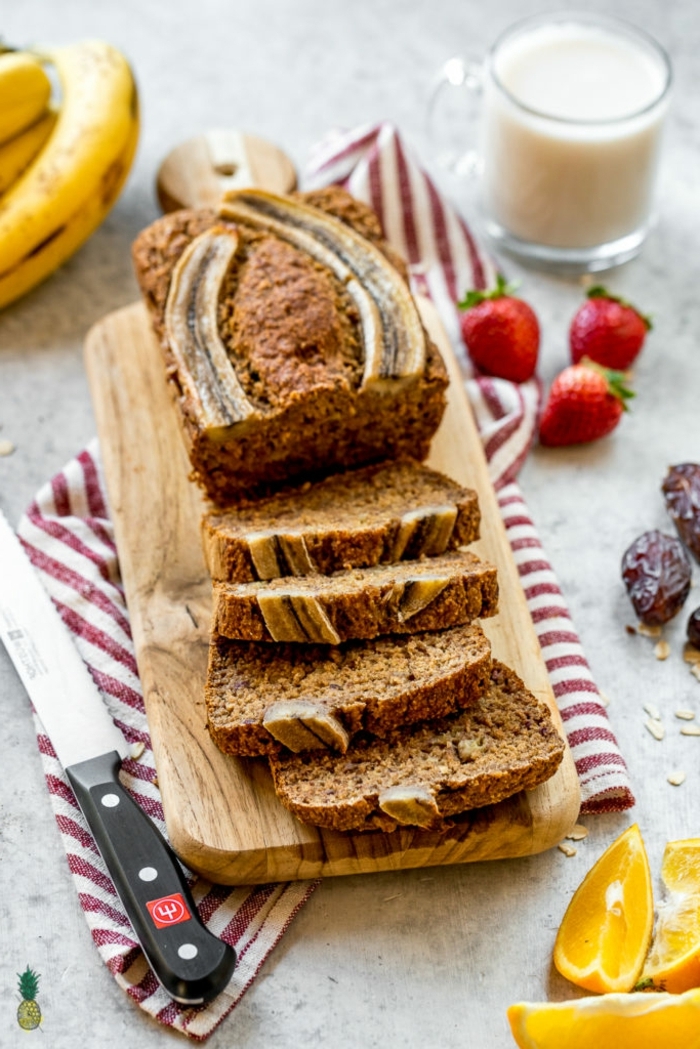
(168, 910)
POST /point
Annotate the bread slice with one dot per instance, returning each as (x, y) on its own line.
(424, 774)
(432, 594)
(263, 699)
(376, 515)
(273, 354)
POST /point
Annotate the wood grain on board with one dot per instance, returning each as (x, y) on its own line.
(222, 814)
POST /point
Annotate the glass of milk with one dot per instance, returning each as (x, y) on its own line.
(573, 106)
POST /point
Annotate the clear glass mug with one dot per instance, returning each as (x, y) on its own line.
(572, 108)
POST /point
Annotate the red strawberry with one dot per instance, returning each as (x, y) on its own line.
(585, 402)
(501, 333)
(608, 330)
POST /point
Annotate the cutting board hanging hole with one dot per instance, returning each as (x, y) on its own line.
(198, 172)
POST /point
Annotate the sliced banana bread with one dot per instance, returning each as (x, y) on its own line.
(406, 598)
(262, 699)
(376, 515)
(424, 774)
(292, 344)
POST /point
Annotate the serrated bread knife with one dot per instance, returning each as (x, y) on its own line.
(192, 965)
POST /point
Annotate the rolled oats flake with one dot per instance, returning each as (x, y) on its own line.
(656, 728)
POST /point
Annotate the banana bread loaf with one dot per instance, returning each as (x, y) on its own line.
(292, 344)
(263, 699)
(406, 598)
(424, 774)
(374, 515)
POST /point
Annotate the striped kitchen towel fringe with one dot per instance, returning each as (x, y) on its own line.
(376, 166)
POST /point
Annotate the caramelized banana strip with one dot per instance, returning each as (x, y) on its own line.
(417, 594)
(303, 725)
(296, 617)
(424, 532)
(276, 555)
(409, 804)
(191, 327)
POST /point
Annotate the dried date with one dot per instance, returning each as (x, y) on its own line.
(656, 572)
(693, 628)
(681, 488)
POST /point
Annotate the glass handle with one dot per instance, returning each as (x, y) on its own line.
(444, 130)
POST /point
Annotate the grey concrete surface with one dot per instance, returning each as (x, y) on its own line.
(426, 958)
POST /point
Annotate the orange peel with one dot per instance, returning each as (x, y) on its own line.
(673, 963)
(641, 1021)
(605, 933)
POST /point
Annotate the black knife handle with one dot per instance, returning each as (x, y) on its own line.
(192, 965)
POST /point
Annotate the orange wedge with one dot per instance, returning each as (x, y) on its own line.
(612, 1021)
(674, 959)
(605, 934)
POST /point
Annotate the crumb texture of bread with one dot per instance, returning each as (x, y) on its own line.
(373, 515)
(405, 598)
(367, 686)
(293, 336)
(423, 775)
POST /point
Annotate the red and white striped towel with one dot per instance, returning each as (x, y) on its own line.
(375, 165)
(69, 537)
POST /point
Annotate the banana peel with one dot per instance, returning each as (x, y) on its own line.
(25, 89)
(17, 154)
(67, 191)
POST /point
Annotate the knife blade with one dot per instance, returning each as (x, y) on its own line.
(192, 965)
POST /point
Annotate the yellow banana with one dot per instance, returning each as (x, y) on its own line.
(17, 154)
(72, 184)
(25, 90)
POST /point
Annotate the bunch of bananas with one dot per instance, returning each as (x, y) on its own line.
(62, 163)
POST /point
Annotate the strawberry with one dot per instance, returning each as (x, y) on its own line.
(585, 402)
(607, 329)
(501, 332)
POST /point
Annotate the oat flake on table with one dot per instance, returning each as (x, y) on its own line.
(656, 728)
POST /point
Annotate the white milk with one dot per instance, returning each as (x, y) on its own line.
(571, 134)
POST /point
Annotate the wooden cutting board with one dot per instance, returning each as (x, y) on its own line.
(222, 814)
